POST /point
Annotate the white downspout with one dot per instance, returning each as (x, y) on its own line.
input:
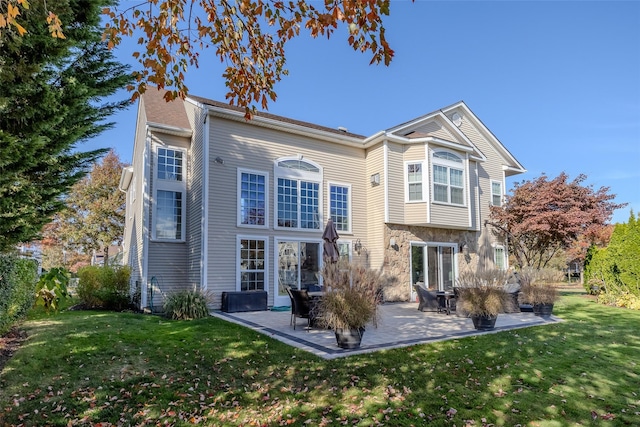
(204, 239)
(386, 181)
(146, 231)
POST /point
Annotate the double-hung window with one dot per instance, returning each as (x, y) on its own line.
(448, 178)
(340, 206)
(414, 179)
(170, 200)
(496, 193)
(252, 198)
(298, 195)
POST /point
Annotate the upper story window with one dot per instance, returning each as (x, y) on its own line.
(414, 180)
(252, 198)
(297, 193)
(169, 207)
(340, 206)
(496, 193)
(169, 164)
(448, 178)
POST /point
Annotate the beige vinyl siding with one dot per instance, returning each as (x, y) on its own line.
(415, 212)
(256, 148)
(396, 183)
(474, 191)
(194, 195)
(436, 129)
(167, 263)
(414, 152)
(489, 170)
(448, 216)
(134, 227)
(375, 206)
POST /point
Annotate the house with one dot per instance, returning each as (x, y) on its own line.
(221, 204)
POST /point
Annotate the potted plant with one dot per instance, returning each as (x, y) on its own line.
(349, 302)
(541, 296)
(482, 297)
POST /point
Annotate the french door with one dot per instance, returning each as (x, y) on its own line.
(297, 267)
(433, 265)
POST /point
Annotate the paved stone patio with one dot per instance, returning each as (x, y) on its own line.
(400, 325)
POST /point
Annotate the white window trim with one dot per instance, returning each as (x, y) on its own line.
(239, 198)
(158, 145)
(501, 192)
(449, 165)
(169, 185)
(349, 207)
(241, 237)
(298, 239)
(298, 175)
(422, 163)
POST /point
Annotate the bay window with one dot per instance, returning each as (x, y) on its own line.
(170, 200)
(448, 178)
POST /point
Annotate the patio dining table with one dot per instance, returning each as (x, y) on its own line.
(444, 301)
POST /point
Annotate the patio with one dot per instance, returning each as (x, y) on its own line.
(400, 325)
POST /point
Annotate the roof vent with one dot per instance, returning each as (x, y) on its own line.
(457, 119)
(342, 129)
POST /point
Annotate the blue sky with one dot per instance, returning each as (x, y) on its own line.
(558, 83)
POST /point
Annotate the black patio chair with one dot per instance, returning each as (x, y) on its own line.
(428, 300)
(300, 306)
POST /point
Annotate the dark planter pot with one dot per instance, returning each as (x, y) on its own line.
(484, 323)
(349, 338)
(543, 310)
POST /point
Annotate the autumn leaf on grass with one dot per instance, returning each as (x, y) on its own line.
(500, 393)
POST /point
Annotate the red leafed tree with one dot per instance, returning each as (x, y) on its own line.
(543, 216)
(248, 35)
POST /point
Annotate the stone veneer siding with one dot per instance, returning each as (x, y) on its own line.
(397, 265)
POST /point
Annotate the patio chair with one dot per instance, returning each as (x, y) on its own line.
(514, 291)
(300, 306)
(428, 300)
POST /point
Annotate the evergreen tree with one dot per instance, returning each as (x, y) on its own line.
(51, 100)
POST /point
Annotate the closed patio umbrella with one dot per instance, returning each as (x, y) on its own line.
(330, 237)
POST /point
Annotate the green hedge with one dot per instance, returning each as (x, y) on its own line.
(615, 270)
(18, 278)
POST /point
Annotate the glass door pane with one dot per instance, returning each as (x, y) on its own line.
(417, 264)
(309, 273)
(433, 266)
(287, 266)
(447, 268)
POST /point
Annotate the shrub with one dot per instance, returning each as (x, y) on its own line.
(17, 288)
(186, 305)
(104, 287)
(52, 287)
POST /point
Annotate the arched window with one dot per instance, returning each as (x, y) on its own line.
(448, 178)
(298, 187)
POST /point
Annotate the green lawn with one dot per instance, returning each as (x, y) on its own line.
(79, 368)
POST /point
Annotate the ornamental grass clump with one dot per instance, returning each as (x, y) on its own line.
(482, 293)
(186, 305)
(534, 290)
(351, 296)
(538, 293)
